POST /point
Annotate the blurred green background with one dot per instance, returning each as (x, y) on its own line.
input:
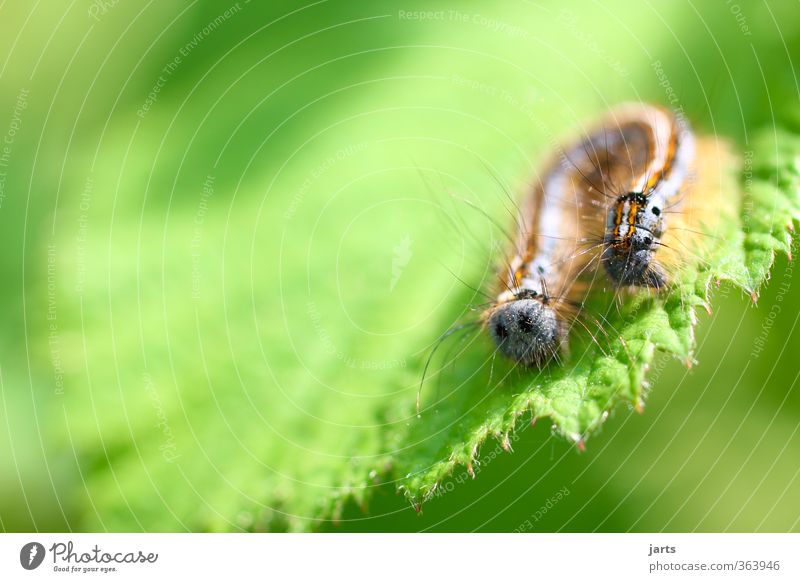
(228, 243)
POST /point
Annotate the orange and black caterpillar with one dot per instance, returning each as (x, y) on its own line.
(636, 220)
(542, 289)
(608, 198)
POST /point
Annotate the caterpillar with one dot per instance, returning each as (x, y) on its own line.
(635, 222)
(606, 199)
(541, 289)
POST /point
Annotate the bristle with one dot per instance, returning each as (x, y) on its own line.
(692, 230)
(641, 173)
(541, 285)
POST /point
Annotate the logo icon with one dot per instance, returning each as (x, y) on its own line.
(401, 255)
(31, 555)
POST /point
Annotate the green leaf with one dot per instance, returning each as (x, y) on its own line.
(578, 396)
(249, 277)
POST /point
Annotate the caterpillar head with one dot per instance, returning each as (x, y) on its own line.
(633, 233)
(525, 330)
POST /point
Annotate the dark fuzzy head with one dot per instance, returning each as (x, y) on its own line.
(634, 228)
(633, 263)
(526, 331)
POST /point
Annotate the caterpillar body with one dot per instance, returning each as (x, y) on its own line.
(541, 286)
(605, 199)
(636, 220)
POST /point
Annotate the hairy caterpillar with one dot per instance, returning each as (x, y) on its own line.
(604, 199)
(665, 188)
(661, 152)
(542, 285)
(608, 198)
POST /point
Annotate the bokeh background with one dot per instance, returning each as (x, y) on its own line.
(228, 242)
